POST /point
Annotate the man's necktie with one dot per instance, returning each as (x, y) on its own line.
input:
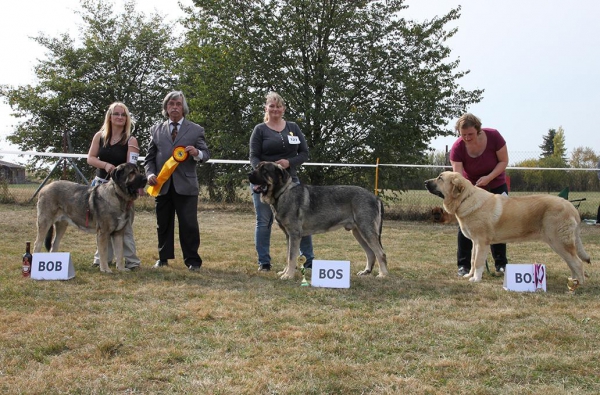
(174, 131)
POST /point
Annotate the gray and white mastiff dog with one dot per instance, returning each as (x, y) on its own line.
(104, 209)
(302, 210)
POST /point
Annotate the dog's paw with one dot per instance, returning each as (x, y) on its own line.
(474, 279)
(123, 269)
(382, 275)
(287, 273)
(572, 284)
(107, 270)
(363, 273)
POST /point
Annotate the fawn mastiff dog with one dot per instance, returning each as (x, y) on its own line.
(104, 209)
(487, 218)
(302, 210)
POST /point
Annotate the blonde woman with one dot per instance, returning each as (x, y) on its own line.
(111, 146)
(276, 140)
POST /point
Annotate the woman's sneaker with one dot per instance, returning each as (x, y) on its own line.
(463, 271)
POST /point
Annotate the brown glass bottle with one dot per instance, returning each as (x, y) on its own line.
(26, 268)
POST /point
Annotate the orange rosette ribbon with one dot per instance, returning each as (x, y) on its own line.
(179, 155)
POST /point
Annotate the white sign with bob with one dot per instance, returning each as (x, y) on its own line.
(52, 266)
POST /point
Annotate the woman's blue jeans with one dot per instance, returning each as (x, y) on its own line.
(262, 234)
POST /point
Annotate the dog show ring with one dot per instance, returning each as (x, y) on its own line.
(179, 155)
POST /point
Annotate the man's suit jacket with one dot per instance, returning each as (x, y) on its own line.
(160, 149)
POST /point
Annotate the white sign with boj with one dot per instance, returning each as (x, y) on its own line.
(525, 277)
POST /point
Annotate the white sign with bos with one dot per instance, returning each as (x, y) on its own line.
(52, 266)
(525, 277)
(330, 274)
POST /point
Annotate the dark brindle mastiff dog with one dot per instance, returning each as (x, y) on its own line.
(104, 209)
(487, 218)
(302, 210)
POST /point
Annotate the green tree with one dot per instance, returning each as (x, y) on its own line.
(123, 56)
(584, 158)
(553, 156)
(525, 180)
(553, 180)
(547, 146)
(560, 149)
(214, 77)
(361, 81)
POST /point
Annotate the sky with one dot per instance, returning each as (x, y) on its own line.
(537, 60)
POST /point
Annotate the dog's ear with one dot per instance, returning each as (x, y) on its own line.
(283, 174)
(457, 187)
(116, 172)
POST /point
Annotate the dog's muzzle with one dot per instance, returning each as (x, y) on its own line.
(136, 185)
(432, 188)
(262, 189)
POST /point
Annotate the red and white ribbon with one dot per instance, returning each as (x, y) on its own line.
(539, 273)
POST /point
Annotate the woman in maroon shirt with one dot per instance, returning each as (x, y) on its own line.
(479, 154)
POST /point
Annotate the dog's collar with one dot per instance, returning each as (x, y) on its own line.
(464, 198)
(282, 190)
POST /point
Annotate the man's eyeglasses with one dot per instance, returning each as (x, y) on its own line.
(119, 114)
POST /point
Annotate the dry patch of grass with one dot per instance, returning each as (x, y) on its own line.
(229, 329)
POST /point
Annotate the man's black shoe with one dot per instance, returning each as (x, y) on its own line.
(160, 263)
(265, 267)
(194, 264)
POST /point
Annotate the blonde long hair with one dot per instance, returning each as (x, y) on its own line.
(106, 128)
(272, 96)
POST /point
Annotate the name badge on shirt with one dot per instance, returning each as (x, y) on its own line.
(133, 157)
(293, 140)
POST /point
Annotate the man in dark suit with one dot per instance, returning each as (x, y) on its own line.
(179, 194)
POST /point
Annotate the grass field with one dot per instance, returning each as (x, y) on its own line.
(228, 329)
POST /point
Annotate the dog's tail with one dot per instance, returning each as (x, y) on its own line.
(48, 239)
(581, 253)
(380, 220)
